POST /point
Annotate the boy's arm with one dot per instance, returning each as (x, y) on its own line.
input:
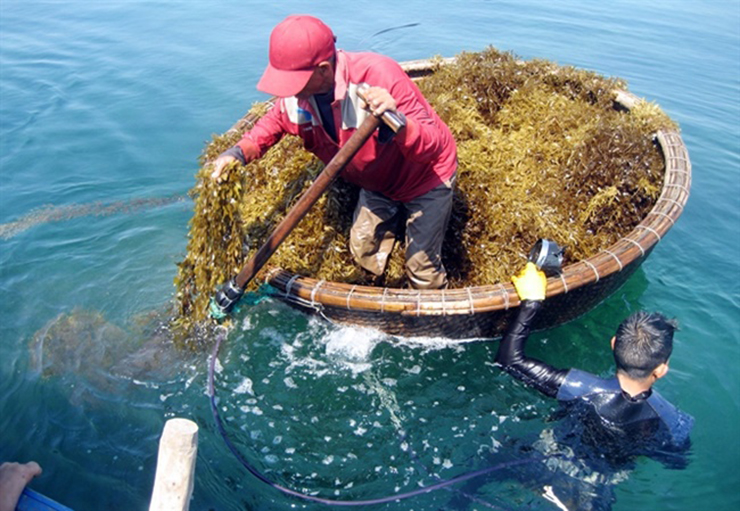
(530, 285)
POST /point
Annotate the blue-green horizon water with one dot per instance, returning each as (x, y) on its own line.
(114, 101)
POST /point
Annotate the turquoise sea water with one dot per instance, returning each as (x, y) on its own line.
(108, 104)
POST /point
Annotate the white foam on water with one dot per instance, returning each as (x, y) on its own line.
(428, 344)
(251, 409)
(246, 323)
(344, 348)
(414, 370)
(352, 343)
(272, 334)
(351, 347)
(245, 387)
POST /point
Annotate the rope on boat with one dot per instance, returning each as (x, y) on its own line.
(593, 268)
(470, 299)
(649, 229)
(667, 216)
(565, 282)
(619, 261)
(642, 250)
(349, 297)
(505, 294)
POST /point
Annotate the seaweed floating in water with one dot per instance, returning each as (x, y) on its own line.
(543, 152)
(96, 359)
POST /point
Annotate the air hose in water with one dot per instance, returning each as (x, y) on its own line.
(221, 335)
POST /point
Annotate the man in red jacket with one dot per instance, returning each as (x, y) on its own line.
(406, 177)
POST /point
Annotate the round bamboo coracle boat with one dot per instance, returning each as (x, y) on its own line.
(484, 311)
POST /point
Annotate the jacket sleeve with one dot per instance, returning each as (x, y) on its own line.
(424, 138)
(535, 373)
(266, 132)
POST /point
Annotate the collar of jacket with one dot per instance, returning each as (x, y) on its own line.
(341, 76)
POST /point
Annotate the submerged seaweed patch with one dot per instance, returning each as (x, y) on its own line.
(542, 150)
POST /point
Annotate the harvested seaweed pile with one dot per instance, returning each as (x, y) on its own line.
(543, 152)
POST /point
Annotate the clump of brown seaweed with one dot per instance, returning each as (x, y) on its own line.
(543, 152)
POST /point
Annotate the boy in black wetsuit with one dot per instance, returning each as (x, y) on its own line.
(616, 418)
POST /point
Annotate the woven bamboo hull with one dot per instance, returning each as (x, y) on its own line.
(484, 311)
(417, 321)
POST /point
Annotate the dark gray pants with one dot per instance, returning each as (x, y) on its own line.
(375, 224)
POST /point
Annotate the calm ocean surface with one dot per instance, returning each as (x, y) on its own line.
(104, 109)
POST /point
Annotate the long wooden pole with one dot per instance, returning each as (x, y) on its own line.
(232, 291)
(308, 199)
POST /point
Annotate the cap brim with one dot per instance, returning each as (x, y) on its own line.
(283, 83)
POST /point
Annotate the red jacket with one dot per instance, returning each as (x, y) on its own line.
(420, 158)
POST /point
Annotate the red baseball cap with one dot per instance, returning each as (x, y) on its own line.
(297, 45)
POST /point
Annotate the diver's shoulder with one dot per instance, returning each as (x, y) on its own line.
(678, 422)
(578, 383)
